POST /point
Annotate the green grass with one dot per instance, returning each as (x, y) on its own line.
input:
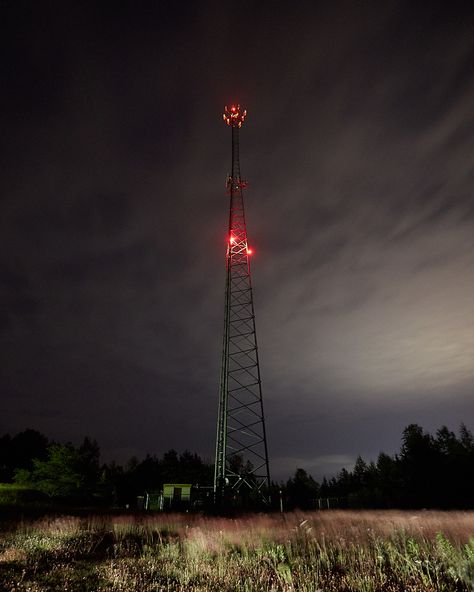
(384, 551)
(13, 495)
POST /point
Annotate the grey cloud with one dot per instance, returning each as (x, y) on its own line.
(358, 153)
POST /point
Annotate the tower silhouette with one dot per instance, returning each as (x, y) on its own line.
(241, 462)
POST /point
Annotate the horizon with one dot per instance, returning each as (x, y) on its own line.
(210, 461)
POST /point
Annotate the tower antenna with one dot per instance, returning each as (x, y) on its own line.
(241, 461)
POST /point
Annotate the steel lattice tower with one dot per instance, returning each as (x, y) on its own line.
(241, 463)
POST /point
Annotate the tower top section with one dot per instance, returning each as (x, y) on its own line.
(234, 115)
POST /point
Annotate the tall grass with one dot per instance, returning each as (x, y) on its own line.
(328, 551)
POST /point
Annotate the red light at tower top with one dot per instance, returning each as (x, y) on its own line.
(234, 116)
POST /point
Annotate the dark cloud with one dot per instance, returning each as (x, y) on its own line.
(358, 150)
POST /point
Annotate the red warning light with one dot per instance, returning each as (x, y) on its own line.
(233, 116)
(249, 251)
(232, 239)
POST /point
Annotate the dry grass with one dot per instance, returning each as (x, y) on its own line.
(329, 551)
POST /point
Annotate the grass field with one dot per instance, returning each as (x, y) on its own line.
(327, 551)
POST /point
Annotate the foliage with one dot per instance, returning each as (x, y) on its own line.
(13, 494)
(430, 471)
(18, 452)
(152, 472)
(302, 490)
(66, 473)
(74, 474)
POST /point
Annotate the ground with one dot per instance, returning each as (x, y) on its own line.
(326, 551)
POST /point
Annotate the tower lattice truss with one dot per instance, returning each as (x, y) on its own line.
(241, 444)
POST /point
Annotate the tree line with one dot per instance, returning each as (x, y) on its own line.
(430, 471)
(74, 474)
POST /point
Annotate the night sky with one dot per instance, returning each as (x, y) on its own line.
(358, 149)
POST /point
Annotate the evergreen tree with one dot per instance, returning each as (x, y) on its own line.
(419, 462)
(18, 452)
(302, 490)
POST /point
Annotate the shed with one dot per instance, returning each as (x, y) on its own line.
(176, 494)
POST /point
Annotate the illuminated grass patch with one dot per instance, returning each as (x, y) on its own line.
(326, 551)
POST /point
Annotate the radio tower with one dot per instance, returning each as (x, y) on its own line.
(241, 464)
